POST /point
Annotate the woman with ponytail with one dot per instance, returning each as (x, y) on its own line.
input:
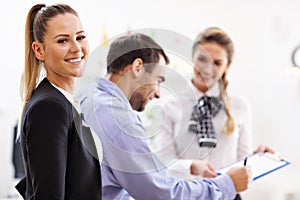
(59, 153)
(205, 128)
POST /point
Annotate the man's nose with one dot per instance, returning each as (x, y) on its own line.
(157, 92)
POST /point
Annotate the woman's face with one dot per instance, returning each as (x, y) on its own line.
(210, 63)
(65, 48)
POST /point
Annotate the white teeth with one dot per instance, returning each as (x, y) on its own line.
(74, 60)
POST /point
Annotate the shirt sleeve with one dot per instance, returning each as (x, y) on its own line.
(182, 168)
(164, 145)
(133, 166)
(245, 131)
(159, 185)
(46, 146)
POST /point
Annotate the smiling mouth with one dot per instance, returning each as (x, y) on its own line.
(74, 60)
(205, 77)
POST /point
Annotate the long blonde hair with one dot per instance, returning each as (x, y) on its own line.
(215, 34)
(35, 30)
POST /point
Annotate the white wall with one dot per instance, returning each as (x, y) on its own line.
(264, 33)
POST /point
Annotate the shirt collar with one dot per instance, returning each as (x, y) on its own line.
(114, 90)
(69, 97)
(214, 91)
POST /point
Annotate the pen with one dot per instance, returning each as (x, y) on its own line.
(245, 161)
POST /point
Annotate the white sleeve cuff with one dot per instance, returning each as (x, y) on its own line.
(181, 168)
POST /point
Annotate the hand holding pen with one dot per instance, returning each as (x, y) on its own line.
(240, 177)
(249, 170)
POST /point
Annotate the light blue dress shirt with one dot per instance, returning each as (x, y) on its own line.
(129, 168)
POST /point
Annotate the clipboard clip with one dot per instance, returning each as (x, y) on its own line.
(275, 156)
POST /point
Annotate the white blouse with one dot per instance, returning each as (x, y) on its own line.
(177, 147)
(70, 98)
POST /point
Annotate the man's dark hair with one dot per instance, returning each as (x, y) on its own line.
(124, 50)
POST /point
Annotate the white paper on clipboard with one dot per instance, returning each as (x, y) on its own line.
(261, 164)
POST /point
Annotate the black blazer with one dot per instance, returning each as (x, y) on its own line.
(60, 156)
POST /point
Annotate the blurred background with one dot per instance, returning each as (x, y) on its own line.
(265, 34)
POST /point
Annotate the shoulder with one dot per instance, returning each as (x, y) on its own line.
(240, 108)
(180, 99)
(48, 110)
(48, 101)
(45, 92)
(169, 100)
(239, 103)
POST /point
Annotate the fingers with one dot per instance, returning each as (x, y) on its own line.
(210, 167)
(269, 149)
(212, 172)
(250, 178)
(203, 168)
(208, 171)
(264, 148)
(240, 176)
(209, 174)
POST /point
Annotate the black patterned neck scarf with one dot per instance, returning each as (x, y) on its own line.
(201, 120)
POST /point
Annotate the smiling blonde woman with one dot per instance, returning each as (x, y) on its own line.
(58, 165)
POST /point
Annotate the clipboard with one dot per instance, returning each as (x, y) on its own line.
(261, 164)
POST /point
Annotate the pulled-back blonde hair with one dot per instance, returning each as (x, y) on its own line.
(35, 30)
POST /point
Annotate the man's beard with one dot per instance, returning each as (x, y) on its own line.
(137, 102)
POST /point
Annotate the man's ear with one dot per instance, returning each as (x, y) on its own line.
(38, 50)
(137, 67)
